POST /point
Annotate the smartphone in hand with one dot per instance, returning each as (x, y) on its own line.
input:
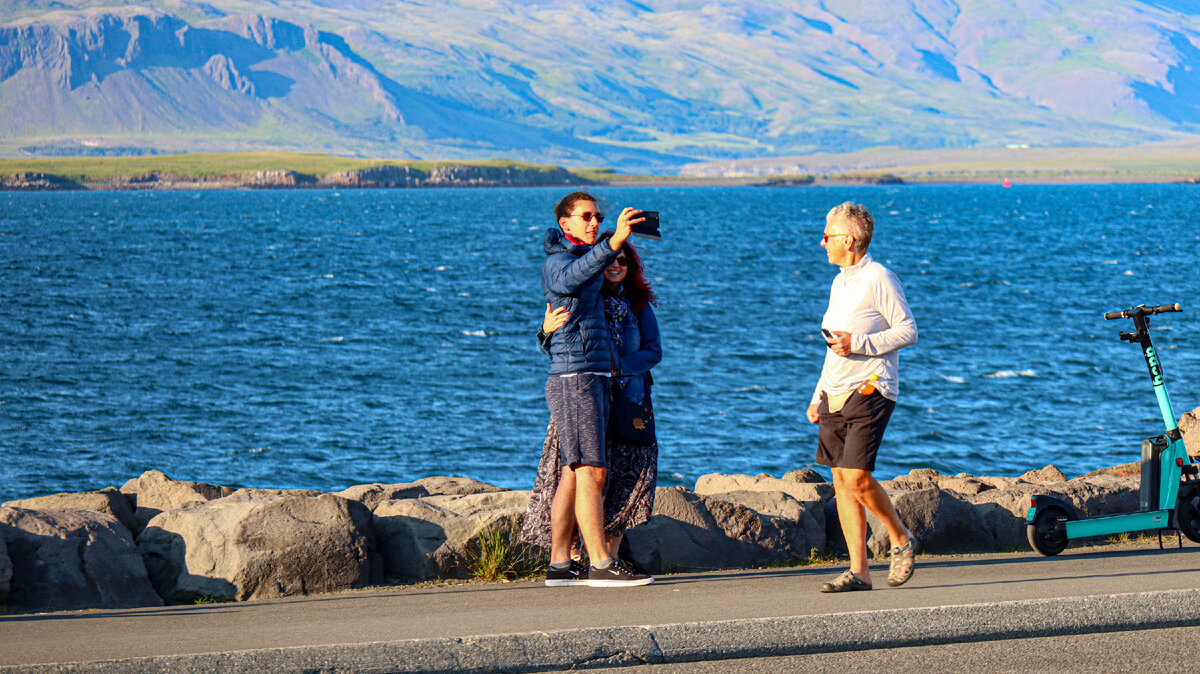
(648, 229)
(829, 337)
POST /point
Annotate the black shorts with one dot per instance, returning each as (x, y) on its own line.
(850, 437)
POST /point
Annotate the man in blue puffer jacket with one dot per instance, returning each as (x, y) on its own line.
(577, 390)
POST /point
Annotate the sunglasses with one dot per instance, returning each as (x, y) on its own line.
(622, 261)
(587, 217)
(826, 237)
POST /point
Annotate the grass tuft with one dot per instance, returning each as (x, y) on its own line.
(499, 554)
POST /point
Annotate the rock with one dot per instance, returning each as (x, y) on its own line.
(108, 500)
(5, 571)
(1004, 510)
(810, 515)
(1122, 470)
(691, 531)
(429, 537)
(803, 475)
(941, 520)
(716, 483)
(441, 485)
(278, 492)
(1189, 426)
(156, 493)
(963, 485)
(73, 559)
(256, 544)
(371, 495)
(1044, 475)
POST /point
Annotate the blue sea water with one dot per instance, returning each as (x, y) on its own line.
(321, 338)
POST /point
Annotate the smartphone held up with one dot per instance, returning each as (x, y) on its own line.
(648, 229)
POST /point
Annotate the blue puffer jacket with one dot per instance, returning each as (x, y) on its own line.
(572, 276)
(641, 349)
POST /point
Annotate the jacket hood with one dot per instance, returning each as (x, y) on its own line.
(557, 242)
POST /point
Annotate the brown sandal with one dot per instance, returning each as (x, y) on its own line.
(847, 582)
(903, 561)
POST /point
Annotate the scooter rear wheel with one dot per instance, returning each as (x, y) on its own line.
(1187, 512)
(1046, 532)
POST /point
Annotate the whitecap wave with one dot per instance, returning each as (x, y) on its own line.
(953, 379)
(1009, 374)
(475, 333)
(335, 340)
(747, 389)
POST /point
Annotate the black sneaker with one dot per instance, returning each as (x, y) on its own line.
(575, 574)
(618, 574)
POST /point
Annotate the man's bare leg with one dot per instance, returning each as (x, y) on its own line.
(589, 510)
(562, 517)
(856, 489)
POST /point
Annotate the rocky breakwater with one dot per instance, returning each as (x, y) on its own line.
(157, 540)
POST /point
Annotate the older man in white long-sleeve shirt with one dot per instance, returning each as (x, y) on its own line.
(868, 321)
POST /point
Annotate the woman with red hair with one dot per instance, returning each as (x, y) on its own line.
(631, 444)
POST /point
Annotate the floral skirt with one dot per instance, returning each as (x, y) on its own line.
(628, 491)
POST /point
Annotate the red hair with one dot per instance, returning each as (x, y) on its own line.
(637, 288)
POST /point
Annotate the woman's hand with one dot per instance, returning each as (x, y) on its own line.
(812, 414)
(625, 222)
(840, 345)
(554, 319)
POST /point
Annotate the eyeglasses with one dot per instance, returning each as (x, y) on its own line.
(587, 217)
(826, 237)
(622, 261)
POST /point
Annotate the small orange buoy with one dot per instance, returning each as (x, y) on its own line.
(1006, 183)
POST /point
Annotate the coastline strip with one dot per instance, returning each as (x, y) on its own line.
(694, 641)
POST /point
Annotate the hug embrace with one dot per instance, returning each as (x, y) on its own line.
(598, 470)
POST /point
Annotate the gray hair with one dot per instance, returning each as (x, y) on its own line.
(858, 220)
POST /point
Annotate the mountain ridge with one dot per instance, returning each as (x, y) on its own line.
(651, 84)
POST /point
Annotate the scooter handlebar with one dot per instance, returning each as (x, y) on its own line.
(1143, 310)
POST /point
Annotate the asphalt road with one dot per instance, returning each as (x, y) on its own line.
(1134, 651)
(709, 616)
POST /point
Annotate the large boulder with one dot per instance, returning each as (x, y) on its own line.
(940, 519)
(430, 537)
(73, 559)
(809, 515)
(5, 571)
(1189, 426)
(1003, 511)
(692, 531)
(154, 493)
(256, 544)
(716, 483)
(441, 485)
(371, 495)
(108, 500)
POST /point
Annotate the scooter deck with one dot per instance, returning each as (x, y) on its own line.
(1118, 524)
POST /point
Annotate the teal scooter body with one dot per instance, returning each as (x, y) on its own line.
(1170, 488)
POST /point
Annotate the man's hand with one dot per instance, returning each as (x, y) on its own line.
(555, 319)
(625, 222)
(812, 415)
(841, 343)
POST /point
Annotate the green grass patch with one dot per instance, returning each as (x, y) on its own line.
(209, 599)
(499, 554)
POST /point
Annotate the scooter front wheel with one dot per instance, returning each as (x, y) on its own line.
(1046, 532)
(1187, 512)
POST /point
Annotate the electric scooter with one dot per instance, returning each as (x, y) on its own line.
(1169, 497)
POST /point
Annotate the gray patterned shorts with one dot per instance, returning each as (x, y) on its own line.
(579, 408)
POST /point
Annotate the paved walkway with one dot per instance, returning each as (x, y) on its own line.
(705, 616)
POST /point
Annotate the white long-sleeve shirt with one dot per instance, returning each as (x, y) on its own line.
(867, 301)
